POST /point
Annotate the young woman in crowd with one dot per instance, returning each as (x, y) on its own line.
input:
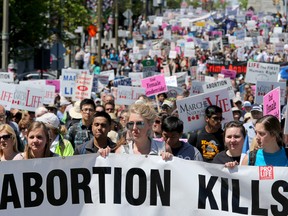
(8, 143)
(38, 145)
(234, 136)
(137, 139)
(269, 137)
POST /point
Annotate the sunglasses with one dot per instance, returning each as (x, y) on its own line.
(5, 137)
(218, 118)
(139, 125)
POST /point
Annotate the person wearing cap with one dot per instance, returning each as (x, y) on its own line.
(61, 112)
(81, 132)
(167, 107)
(100, 142)
(256, 113)
(247, 107)
(209, 140)
(59, 145)
(237, 114)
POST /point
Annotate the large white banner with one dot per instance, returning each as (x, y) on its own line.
(257, 71)
(139, 185)
(191, 110)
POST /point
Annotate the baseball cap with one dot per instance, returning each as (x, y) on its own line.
(256, 107)
(247, 104)
(49, 118)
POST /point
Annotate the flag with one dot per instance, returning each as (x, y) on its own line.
(245, 148)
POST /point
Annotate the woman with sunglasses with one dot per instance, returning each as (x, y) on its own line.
(8, 143)
(137, 139)
(38, 145)
(157, 131)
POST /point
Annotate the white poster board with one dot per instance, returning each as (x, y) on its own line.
(263, 87)
(257, 71)
(127, 96)
(219, 84)
(191, 110)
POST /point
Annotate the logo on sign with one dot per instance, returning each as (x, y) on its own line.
(82, 88)
(266, 172)
(193, 117)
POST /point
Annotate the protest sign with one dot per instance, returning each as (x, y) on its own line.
(114, 64)
(271, 103)
(146, 185)
(109, 73)
(136, 78)
(171, 81)
(229, 73)
(219, 84)
(181, 78)
(6, 77)
(193, 72)
(7, 94)
(257, 71)
(99, 82)
(55, 83)
(123, 81)
(67, 81)
(173, 91)
(127, 96)
(263, 87)
(196, 88)
(191, 110)
(172, 54)
(154, 85)
(83, 87)
(149, 65)
(153, 53)
(49, 90)
(27, 98)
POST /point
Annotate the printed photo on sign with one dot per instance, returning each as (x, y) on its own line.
(263, 87)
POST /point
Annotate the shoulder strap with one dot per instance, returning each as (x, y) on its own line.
(83, 149)
(252, 157)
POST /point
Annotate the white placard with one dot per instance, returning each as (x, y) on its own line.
(136, 78)
(6, 77)
(171, 81)
(191, 110)
(7, 94)
(220, 84)
(109, 73)
(27, 98)
(257, 71)
(67, 81)
(196, 88)
(83, 87)
(172, 54)
(127, 96)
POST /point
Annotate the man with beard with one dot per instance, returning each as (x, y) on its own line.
(209, 140)
(101, 125)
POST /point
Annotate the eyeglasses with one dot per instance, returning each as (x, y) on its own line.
(5, 137)
(157, 122)
(88, 110)
(139, 125)
(216, 118)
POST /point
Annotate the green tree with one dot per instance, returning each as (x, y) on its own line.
(243, 4)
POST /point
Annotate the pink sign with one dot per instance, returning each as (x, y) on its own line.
(229, 73)
(271, 103)
(55, 83)
(154, 85)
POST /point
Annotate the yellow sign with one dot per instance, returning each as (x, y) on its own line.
(200, 24)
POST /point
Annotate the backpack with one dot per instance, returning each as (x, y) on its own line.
(252, 156)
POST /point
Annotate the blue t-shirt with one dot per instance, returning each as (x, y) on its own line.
(278, 158)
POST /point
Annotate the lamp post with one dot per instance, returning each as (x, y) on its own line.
(99, 30)
(5, 35)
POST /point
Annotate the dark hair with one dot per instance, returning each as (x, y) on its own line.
(171, 124)
(212, 110)
(235, 124)
(103, 114)
(164, 95)
(109, 103)
(272, 124)
(87, 101)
